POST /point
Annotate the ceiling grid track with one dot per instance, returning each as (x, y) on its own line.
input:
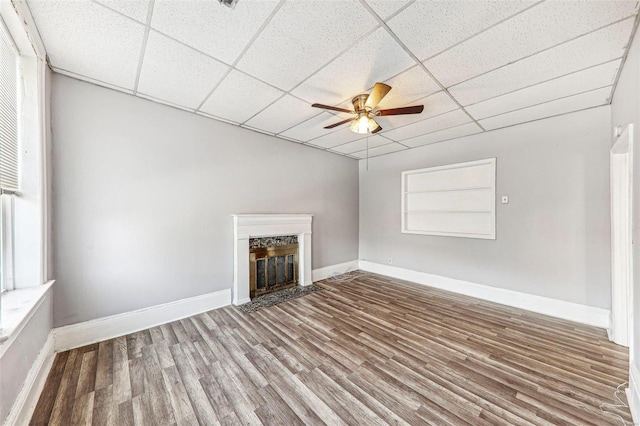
(483, 98)
(420, 64)
(144, 44)
(453, 46)
(545, 81)
(545, 102)
(288, 92)
(92, 80)
(626, 53)
(149, 28)
(246, 48)
(541, 51)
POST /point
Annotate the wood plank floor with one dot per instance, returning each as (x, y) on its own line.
(373, 351)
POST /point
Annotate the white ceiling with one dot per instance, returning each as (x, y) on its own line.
(476, 65)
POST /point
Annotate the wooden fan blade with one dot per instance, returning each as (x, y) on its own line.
(379, 91)
(416, 109)
(374, 127)
(332, 108)
(331, 126)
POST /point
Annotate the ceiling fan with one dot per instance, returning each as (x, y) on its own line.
(364, 108)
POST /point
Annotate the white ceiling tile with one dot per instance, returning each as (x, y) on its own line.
(386, 8)
(375, 58)
(176, 73)
(335, 50)
(440, 122)
(339, 137)
(572, 84)
(429, 27)
(409, 86)
(595, 48)
(210, 27)
(314, 127)
(239, 97)
(89, 40)
(359, 145)
(302, 37)
(443, 135)
(435, 104)
(560, 106)
(534, 30)
(381, 150)
(136, 9)
(286, 112)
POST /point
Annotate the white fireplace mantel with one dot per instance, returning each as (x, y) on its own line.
(247, 226)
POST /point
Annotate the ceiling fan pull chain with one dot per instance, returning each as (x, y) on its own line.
(367, 152)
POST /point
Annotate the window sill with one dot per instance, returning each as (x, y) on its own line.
(18, 306)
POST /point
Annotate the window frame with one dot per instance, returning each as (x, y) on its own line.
(25, 222)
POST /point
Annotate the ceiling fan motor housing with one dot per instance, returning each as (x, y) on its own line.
(358, 103)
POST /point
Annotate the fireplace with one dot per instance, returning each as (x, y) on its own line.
(273, 264)
(248, 227)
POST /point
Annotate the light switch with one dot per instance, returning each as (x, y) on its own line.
(505, 199)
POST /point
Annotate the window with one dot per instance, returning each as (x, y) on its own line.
(456, 200)
(9, 86)
(23, 179)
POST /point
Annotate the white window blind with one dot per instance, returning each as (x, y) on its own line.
(8, 112)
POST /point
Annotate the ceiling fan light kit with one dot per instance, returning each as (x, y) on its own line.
(361, 124)
(364, 108)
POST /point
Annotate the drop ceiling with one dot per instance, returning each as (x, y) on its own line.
(475, 65)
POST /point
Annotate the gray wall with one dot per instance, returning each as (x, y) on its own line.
(625, 109)
(553, 237)
(19, 358)
(143, 197)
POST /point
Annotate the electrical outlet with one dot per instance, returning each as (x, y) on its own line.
(390, 261)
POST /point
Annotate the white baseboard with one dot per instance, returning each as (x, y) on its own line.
(25, 403)
(633, 393)
(86, 333)
(331, 270)
(544, 305)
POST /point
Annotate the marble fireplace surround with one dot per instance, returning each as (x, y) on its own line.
(247, 226)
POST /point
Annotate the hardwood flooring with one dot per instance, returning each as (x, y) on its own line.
(371, 352)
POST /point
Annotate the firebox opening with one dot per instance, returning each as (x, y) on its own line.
(273, 264)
